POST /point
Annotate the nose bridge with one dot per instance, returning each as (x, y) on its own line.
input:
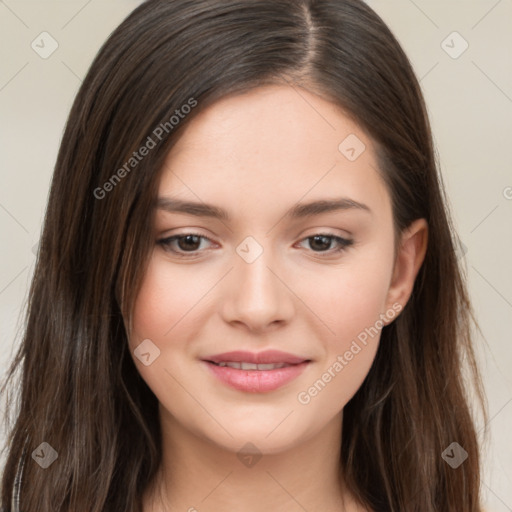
(256, 295)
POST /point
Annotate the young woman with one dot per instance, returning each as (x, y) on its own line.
(247, 294)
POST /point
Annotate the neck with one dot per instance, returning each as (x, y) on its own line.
(199, 475)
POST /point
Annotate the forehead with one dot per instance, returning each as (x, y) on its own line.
(271, 144)
(277, 118)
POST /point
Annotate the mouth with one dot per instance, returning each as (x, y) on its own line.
(251, 366)
(265, 357)
(256, 372)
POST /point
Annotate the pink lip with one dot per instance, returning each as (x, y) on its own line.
(267, 356)
(256, 381)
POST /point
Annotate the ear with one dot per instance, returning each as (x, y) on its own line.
(409, 258)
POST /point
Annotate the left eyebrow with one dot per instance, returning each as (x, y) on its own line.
(325, 206)
(298, 211)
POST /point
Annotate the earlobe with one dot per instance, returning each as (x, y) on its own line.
(409, 258)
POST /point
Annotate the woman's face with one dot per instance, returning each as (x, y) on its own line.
(258, 277)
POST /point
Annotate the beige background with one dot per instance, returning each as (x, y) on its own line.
(470, 104)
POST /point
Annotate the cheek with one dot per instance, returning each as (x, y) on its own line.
(358, 327)
(350, 351)
(363, 298)
(165, 312)
(352, 304)
(350, 298)
(166, 300)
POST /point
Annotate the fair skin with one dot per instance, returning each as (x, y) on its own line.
(256, 155)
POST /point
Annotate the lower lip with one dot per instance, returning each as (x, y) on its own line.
(256, 381)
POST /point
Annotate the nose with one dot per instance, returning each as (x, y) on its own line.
(257, 295)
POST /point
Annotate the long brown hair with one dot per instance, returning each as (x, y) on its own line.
(80, 391)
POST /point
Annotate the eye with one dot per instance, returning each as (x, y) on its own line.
(322, 243)
(187, 243)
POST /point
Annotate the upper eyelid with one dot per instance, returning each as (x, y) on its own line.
(183, 235)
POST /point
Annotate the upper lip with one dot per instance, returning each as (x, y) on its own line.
(265, 357)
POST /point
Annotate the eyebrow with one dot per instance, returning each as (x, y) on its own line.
(298, 211)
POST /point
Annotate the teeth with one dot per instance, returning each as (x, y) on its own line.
(253, 366)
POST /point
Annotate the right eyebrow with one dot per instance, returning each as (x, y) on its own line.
(172, 205)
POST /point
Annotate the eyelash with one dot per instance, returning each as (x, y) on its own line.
(344, 243)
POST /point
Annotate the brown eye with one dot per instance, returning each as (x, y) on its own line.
(183, 244)
(322, 243)
(189, 242)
